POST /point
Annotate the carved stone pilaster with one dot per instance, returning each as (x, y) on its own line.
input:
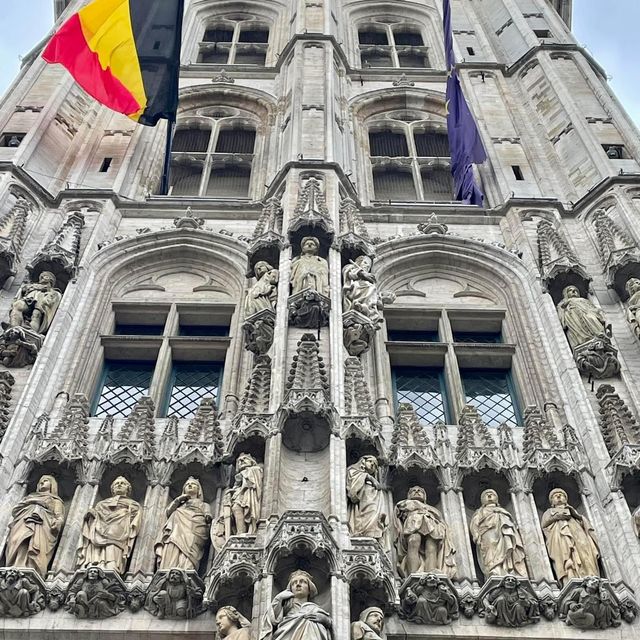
(60, 256)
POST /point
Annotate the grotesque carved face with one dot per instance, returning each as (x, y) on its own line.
(44, 484)
(558, 498)
(300, 587)
(120, 487)
(489, 497)
(175, 577)
(375, 620)
(223, 622)
(93, 574)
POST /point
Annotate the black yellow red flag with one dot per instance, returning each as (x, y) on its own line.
(126, 54)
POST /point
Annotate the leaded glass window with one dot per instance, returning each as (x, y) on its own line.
(492, 393)
(423, 388)
(190, 382)
(123, 384)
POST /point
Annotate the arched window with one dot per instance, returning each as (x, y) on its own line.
(213, 154)
(235, 39)
(392, 42)
(409, 153)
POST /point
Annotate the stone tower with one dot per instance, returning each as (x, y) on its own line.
(307, 381)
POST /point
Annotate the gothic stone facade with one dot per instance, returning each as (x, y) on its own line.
(308, 312)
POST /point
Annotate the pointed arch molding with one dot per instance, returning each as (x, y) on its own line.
(119, 266)
(373, 103)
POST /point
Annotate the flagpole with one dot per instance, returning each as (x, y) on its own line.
(166, 169)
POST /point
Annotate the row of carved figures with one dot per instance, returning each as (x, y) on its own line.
(425, 599)
(110, 527)
(423, 539)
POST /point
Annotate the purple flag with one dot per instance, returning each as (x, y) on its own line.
(465, 143)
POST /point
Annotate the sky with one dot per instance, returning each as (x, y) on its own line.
(608, 28)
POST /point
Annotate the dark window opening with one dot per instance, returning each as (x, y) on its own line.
(372, 37)
(236, 141)
(423, 388)
(106, 163)
(388, 143)
(517, 172)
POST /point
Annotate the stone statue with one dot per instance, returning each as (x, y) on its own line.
(580, 318)
(423, 537)
(264, 293)
(570, 540)
(367, 517)
(232, 625)
(293, 616)
(109, 530)
(510, 604)
(632, 287)
(241, 503)
(309, 270)
(497, 539)
(430, 601)
(369, 626)
(36, 304)
(359, 291)
(20, 595)
(591, 606)
(181, 544)
(94, 594)
(35, 527)
(174, 595)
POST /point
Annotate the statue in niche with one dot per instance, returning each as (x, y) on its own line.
(497, 539)
(424, 540)
(232, 625)
(174, 595)
(570, 539)
(632, 287)
(591, 606)
(36, 304)
(367, 517)
(294, 616)
(264, 293)
(580, 318)
(430, 601)
(359, 291)
(181, 544)
(109, 530)
(309, 270)
(35, 527)
(95, 595)
(369, 625)
(510, 604)
(20, 595)
(241, 503)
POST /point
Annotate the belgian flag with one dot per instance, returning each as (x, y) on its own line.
(126, 54)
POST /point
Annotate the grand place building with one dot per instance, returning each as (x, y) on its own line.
(307, 395)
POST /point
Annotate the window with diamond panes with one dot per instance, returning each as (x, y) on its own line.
(492, 393)
(424, 389)
(123, 384)
(189, 384)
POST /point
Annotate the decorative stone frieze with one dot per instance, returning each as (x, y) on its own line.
(60, 256)
(428, 599)
(22, 593)
(176, 594)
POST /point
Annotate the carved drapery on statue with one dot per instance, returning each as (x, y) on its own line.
(497, 539)
(309, 301)
(294, 616)
(588, 334)
(110, 529)
(367, 515)
(570, 540)
(241, 502)
(35, 527)
(369, 626)
(423, 538)
(184, 534)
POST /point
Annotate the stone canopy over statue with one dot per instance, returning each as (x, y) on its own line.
(110, 529)
(35, 527)
(570, 540)
(294, 616)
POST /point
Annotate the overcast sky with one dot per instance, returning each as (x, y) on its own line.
(608, 28)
